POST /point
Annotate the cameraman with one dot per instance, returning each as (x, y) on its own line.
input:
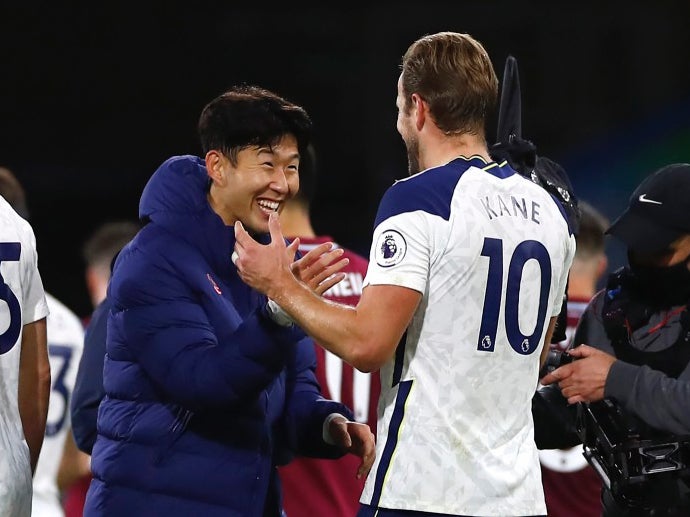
(637, 335)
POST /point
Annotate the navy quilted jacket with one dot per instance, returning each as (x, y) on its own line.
(204, 394)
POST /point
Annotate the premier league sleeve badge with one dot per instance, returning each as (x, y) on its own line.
(390, 248)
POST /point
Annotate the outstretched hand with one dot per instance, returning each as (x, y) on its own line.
(264, 267)
(356, 439)
(318, 269)
(582, 380)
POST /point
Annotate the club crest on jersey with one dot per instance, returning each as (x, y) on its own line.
(214, 284)
(390, 248)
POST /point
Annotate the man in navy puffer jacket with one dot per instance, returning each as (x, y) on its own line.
(207, 388)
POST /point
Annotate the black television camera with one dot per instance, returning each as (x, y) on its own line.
(631, 458)
(628, 455)
(555, 359)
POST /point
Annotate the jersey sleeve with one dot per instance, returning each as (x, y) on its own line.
(401, 246)
(563, 277)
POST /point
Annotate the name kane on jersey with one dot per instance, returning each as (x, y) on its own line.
(498, 207)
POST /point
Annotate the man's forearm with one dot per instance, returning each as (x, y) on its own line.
(34, 386)
(325, 321)
(364, 336)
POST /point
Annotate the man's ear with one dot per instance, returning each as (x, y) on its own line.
(421, 111)
(215, 164)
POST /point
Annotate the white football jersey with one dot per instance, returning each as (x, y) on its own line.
(22, 301)
(65, 345)
(489, 251)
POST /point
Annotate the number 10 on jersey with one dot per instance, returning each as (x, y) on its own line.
(495, 289)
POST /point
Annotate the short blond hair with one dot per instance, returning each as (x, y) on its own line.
(452, 72)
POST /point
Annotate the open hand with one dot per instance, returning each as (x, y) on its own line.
(264, 267)
(318, 269)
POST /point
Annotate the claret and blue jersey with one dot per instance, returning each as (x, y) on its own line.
(489, 250)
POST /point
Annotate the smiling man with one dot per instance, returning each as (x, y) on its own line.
(207, 390)
(456, 305)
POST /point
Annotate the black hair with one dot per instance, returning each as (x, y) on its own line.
(248, 116)
(13, 192)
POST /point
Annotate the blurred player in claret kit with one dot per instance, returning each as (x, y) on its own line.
(314, 487)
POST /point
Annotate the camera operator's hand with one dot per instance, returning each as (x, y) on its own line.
(582, 380)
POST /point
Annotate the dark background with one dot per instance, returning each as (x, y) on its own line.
(94, 98)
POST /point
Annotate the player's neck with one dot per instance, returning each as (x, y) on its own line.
(294, 222)
(445, 149)
(581, 288)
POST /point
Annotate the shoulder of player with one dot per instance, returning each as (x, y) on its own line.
(63, 316)
(442, 179)
(158, 255)
(430, 191)
(13, 228)
(548, 201)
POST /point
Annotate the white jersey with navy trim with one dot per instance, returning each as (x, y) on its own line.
(65, 345)
(489, 251)
(22, 301)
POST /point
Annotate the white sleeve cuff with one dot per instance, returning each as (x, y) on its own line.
(326, 428)
(278, 315)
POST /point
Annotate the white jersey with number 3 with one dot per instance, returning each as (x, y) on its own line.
(65, 345)
(489, 251)
(22, 301)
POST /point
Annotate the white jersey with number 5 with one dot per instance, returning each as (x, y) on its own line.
(22, 301)
(65, 345)
(489, 251)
